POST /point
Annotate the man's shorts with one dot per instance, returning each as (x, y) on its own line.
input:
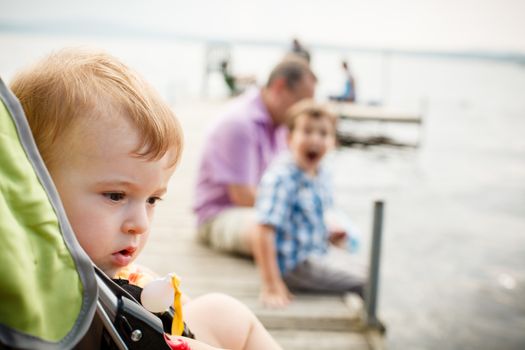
(229, 231)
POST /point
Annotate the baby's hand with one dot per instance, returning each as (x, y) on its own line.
(182, 343)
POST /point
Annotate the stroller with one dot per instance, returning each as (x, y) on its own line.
(51, 295)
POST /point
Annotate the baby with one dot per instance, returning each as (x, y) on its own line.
(111, 145)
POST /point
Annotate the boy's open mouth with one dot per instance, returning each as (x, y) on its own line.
(312, 155)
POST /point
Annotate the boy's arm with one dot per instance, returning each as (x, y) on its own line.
(274, 292)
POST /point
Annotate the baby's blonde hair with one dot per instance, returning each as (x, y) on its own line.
(66, 87)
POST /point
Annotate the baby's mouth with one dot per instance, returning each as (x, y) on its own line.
(127, 251)
(124, 257)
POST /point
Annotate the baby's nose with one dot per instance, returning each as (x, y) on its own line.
(137, 222)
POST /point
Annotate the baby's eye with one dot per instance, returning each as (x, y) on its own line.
(114, 196)
(153, 200)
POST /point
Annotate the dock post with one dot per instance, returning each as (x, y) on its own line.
(373, 275)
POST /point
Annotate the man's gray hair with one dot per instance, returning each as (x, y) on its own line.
(292, 69)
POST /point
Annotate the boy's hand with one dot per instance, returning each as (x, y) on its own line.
(276, 296)
(338, 237)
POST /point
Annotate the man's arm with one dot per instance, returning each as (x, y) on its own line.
(242, 195)
(274, 292)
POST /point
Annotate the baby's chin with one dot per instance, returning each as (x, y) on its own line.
(110, 271)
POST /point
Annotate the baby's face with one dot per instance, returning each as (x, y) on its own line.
(108, 193)
(309, 141)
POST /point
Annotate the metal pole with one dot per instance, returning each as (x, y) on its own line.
(373, 278)
(385, 82)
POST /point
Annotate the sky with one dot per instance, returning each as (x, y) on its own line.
(490, 25)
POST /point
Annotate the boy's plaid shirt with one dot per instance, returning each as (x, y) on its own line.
(294, 204)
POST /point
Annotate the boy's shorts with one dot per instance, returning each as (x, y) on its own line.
(229, 231)
(338, 271)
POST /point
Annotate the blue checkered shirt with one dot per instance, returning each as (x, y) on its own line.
(293, 203)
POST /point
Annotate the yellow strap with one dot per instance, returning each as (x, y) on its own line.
(177, 327)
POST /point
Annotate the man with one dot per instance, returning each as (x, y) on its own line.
(238, 149)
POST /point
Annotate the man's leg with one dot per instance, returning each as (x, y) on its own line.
(230, 231)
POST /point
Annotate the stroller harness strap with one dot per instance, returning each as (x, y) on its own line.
(138, 278)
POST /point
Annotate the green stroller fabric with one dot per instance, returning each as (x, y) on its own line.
(47, 283)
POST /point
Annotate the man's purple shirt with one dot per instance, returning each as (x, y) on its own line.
(237, 150)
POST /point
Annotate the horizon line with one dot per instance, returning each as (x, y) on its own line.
(110, 29)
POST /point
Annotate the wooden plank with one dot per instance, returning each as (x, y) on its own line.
(239, 278)
(376, 339)
(319, 340)
(306, 312)
(326, 315)
(357, 112)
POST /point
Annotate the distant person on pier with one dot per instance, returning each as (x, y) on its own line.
(238, 149)
(299, 50)
(236, 83)
(348, 94)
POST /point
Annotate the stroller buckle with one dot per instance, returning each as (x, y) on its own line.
(136, 335)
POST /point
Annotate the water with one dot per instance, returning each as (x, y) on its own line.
(454, 228)
(454, 242)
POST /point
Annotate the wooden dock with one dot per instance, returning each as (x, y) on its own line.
(357, 112)
(351, 114)
(310, 322)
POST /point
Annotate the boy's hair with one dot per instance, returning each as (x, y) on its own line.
(66, 87)
(311, 109)
(292, 69)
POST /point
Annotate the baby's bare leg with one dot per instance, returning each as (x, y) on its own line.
(223, 321)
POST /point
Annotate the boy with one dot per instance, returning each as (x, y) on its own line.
(292, 242)
(111, 145)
